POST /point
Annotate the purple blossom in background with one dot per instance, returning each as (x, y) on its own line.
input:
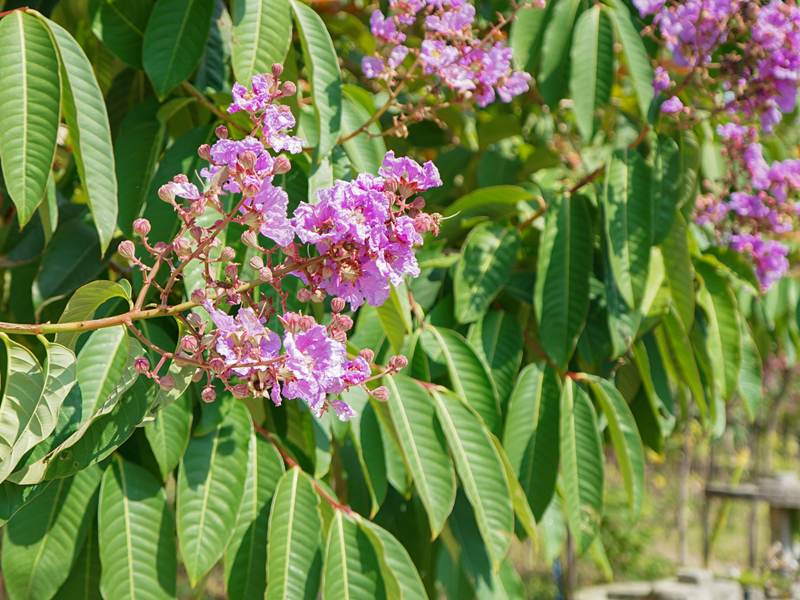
(768, 255)
(747, 205)
(661, 80)
(514, 85)
(371, 66)
(397, 56)
(672, 106)
(437, 55)
(647, 7)
(451, 22)
(385, 29)
(731, 131)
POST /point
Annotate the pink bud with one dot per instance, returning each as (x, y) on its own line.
(327, 271)
(198, 375)
(281, 165)
(265, 274)
(217, 365)
(192, 318)
(398, 362)
(256, 263)
(141, 227)
(227, 254)
(337, 305)
(222, 132)
(318, 295)
(180, 178)
(161, 248)
(196, 233)
(240, 391)
(166, 383)
(127, 249)
(247, 160)
(304, 295)
(252, 219)
(198, 297)
(307, 322)
(418, 203)
(289, 89)
(205, 152)
(208, 395)
(367, 355)
(166, 193)
(291, 322)
(232, 271)
(344, 322)
(381, 394)
(189, 343)
(339, 336)
(182, 246)
(390, 185)
(249, 190)
(423, 223)
(142, 365)
(250, 238)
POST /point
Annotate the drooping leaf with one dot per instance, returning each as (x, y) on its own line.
(679, 270)
(488, 256)
(137, 535)
(83, 582)
(481, 472)
(29, 109)
(750, 379)
(667, 184)
(174, 41)
(581, 465)
(169, 434)
(526, 35)
(262, 32)
(351, 570)
(87, 119)
(121, 25)
(553, 73)
(211, 482)
(499, 337)
(395, 316)
(85, 302)
(294, 551)
(424, 447)
(561, 292)
(681, 349)
(637, 60)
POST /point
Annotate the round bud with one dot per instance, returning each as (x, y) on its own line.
(180, 178)
(141, 227)
(252, 219)
(367, 355)
(307, 322)
(344, 322)
(222, 132)
(196, 233)
(256, 263)
(166, 383)
(142, 365)
(182, 246)
(289, 89)
(338, 304)
(339, 336)
(327, 271)
(193, 318)
(277, 69)
(227, 254)
(204, 152)
(381, 393)
(390, 185)
(398, 362)
(198, 297)
(318, 295)
(414, 212)
(198, 375)
(240, 391)
(265, 274)
(208, 395)
(127, 249)
(217, 365)
(250, 189)
(166, 193)
(189, 343)
(232, 271)
(418, 202)
(247, 160)
(250, 238)
(423, 223)
(304, 295)
(281, 165)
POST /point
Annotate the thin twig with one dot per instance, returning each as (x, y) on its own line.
(213, 107)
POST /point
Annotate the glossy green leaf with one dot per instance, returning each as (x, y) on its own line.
(174, 41)
(592, 72)
(750, 379)
(481, 472)
(169, 433)
(365, 430)
(211, 482)
(83, 582)
(679, 270)
(554, 70)
(581, 465)
(395, 316)
(626, 440)
(44, 539)
(294, 551)
(655, 383)
(365, 154)
(627, 219)
(120, 24)
(519, 499)
(262, 32)
(87, 119)
(640, 71)
(32, 398)
(14, 496)
(494, 203)
(561, 292)
(667, 184)
(488, 256)
(423, 443)
(29, 107)
(85, 302)
(322, 65)
(499, 338)
(73, 259)
(351, 570)
(531, 435)
(397, 568)
(137, 536)
(469, 374)
(526, 36)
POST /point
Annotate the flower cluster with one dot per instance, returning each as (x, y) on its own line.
(354, 244)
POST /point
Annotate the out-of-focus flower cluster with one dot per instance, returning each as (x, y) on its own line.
(354, 244)
(745, 58)
(450, 56)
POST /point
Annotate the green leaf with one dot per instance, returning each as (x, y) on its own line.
(294, 551)
(262, 33)
(525, 38)
(494, 203)
(397, 568)
(13, 497)
(469, 375)
(44, 539)
(174, 41)
(561, 292)
(365, 154)
(592, 73)
(655, 383)
(395, 316)
(667, 184)
(681, 349)
(581, 464)
(679, 270)
(499, 338)
(169, 434)
(30, 98)
(351, 571)
(723, 331)
(32, 398)
(627, 219)
(366, 435)
(531, 435)
(488, 256)
(734, 264)
(48, 210)
(750, 380)
(73, 259)
(424, 447)
(246, 556)
(137, 537)
(481, 472)
(85, 302)
(83, 582)
(627, 443)
(519, 500)
(120, 24)
(211, 482)
(640, 71)
(554, 69)
(322, 65)
(87, 119)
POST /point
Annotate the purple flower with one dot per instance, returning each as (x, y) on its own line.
(661, 80)
(769, 257)
(315, 363)
(406, 10)
(227, 152)
(356, 371)
(342, 410)
(647, 7)
(671, 106)
(746, 205)
(243, 340)
(451, 22)
(371, 66)
(385, 29)
(422, 177)
(758, 167)
(271, 201)
(275, 120)
(515, 85)
(731, 131)
(397, 56)
(437, 55)
(185, 190)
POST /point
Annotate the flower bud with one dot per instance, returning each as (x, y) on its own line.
(281, 165)
(338, 304)
(398, 362)
(307, 322)
(423, 223)
(142, 365)
(252, 219)
(250, 238)
(166, 193)
(196, 233)
(232, 271)
(344, 322)
(222, 132)
(390, 185)
(304, 295)
(256, 263)
(217, 365)
(198, 375)
(418, 202)
(166, 383)
(227, 254)
(291, 322)
(414, 213)
(127, 249)
(339, 336)
(141, 227)
(318, 295)
(381, 393)
(289, 89)
(208, 395)
(204, 152)
(327, 271)
(249, 189)
(247, 160)
(180, 178)
(367, 355)
(189, 343)
(161, 248)
(265, 274)
(277, 69)
(207, 339)
(198, 297)
(240, 391)
(182, 246)
(192, 318)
